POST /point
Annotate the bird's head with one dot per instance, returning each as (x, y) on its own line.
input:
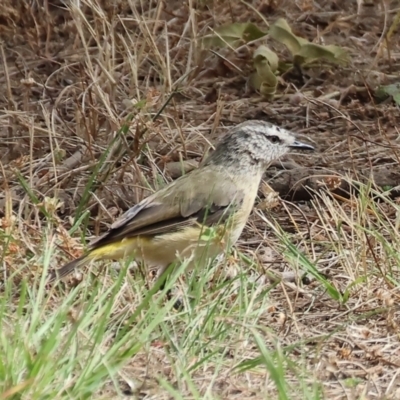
(255, 143)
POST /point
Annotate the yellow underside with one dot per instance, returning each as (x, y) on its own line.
(164, 249)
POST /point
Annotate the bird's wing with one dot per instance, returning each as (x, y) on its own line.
(178, 205)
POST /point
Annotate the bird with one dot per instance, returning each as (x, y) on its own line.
(201, 214)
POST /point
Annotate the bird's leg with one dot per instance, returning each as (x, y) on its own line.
(161, 279)
(163, 276)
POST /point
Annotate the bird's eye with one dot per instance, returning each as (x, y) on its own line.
(274, 139)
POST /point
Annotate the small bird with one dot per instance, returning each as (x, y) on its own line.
(201, 213)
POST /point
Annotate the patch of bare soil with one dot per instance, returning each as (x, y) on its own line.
(72, 77)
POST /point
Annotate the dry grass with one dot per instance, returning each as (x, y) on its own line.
(101, 102)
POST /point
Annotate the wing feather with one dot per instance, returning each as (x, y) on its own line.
(176, 207)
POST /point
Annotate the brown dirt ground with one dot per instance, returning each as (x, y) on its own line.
(66, 87)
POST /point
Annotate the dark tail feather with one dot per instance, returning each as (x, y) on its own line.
(68, 268)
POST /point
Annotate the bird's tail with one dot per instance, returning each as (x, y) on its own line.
(69, 268)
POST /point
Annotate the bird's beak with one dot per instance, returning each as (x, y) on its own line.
(301, 146)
